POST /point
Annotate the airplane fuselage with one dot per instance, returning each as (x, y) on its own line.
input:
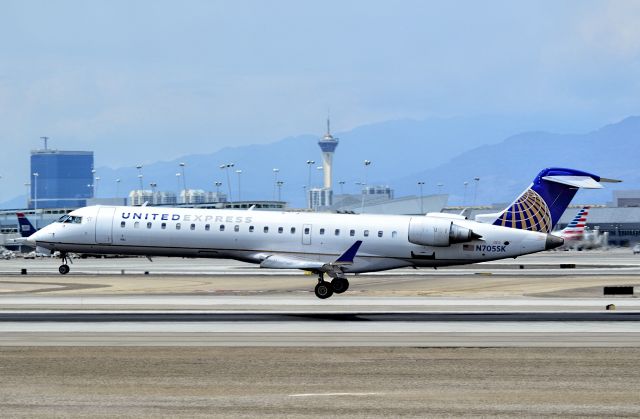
(254, 236)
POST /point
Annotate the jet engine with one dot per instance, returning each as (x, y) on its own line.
(427, 231)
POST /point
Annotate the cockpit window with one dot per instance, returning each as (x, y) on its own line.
(73, 219)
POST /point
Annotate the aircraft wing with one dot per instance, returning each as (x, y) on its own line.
(279, 261)
(290, 262)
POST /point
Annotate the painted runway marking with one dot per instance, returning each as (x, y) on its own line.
(331, 394)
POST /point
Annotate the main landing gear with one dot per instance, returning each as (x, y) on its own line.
(324, 289)
(64, 268)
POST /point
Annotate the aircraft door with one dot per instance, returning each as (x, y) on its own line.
(306, 234)
(104, 225)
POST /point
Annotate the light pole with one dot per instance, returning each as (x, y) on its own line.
(96, 183)
(226, 167)
(93, 182)
(218, 184)
(280, 183)
(341, 183)
(475, 193)
(421, 184)
(184, 178)
(141, 185)
(309, 164)
(178, 175)
(28, 186)
(367, 163)
(319, 168)
(35, 191)
(239, 172)
(117, 188)
(275, 181)
(464, 199)
(308, 201)
(440, 185)
(153, 192)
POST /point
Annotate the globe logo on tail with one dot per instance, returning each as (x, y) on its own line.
(529, 212)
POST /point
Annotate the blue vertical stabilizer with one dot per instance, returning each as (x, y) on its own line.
(540, 206)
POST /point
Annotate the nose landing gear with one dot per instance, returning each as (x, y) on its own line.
(64, 268)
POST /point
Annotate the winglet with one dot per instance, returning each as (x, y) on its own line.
(348, 256)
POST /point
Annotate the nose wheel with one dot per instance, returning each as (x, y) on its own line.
(64, 268)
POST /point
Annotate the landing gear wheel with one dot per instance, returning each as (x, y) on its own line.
(339, 285)
(324, 290)
(64, 269)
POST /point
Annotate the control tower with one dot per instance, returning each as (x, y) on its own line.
(328, 145)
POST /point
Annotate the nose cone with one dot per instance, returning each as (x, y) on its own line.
(32, 239)
(553, 242)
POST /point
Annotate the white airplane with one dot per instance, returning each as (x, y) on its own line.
(323, 243)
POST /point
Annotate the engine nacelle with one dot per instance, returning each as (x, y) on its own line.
(438, 232)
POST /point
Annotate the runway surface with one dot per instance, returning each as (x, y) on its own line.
(382, 328)
(204, 338)
(530, 302)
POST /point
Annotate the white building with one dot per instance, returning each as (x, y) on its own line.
(319, 197)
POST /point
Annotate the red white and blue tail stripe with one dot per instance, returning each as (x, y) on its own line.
(575, 229)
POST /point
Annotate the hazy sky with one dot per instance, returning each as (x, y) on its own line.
(139, 81)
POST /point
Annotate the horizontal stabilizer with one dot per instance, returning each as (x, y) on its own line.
(585, 182)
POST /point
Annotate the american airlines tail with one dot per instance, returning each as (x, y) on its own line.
(574, 231)
(541, 205)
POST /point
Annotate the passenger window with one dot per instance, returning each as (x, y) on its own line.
(193, 226)
(251, 228)
(148, 225)
(266, 229)
(136, 224)
(122, 224)
(236, 228)
(280, 230)
(366, 233)
(337, 232)
(394, 234)
(352, 233)
(221, 227)
(163, 226)
(207, 227)
(322, 231)
(380, 233)
(293, 230)
(178, 226)
(306, 230)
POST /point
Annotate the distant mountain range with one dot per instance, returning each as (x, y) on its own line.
(506, 168)
(403, 152)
